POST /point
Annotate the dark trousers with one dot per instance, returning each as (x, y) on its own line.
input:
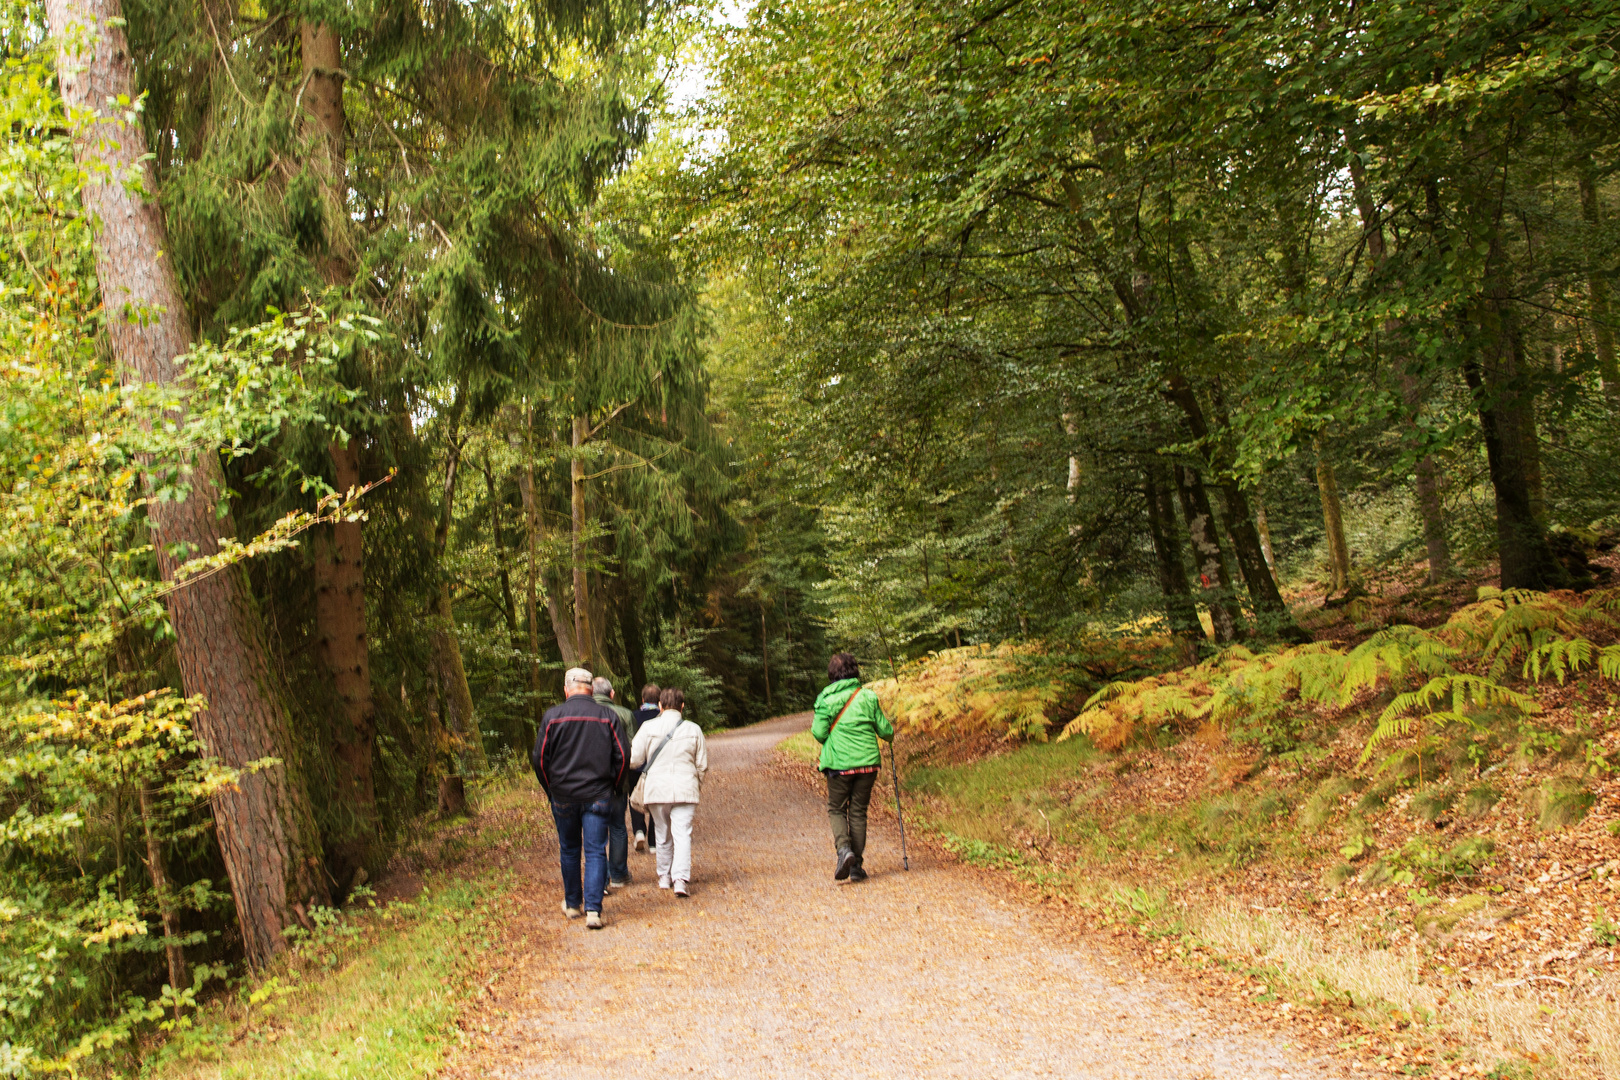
(618, 840)
(582, 831)
(847, 800)
(644, 823)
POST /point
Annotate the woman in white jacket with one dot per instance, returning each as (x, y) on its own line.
(679, 758)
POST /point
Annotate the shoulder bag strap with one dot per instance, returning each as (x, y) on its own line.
(647, 768)
(850, 701)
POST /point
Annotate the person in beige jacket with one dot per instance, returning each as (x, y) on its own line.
(679, 758)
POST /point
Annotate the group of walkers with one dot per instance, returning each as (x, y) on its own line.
(596, 760)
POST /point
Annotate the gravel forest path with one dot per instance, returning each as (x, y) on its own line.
(772, 969)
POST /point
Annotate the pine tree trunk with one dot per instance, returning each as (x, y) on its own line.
(460, 719)
(1214, 582)
(339, 549)
(560, 628)
(265, 827)
(634, 648)
(1185, 629)
(1327, 486)
(340, 620)
(583, 637)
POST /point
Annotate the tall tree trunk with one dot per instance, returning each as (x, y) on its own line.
(1427, 475)
(1327, 486)
(1598, 291)
(583, 637)
(1496, 379)
(1270, 610)
(1185, 629)
(561, 628)
(503, 570)
(1214, 582)
(340, 621)
(339, 549)
(165, 901)
(634, 649)
(1263, 527)
(460, 717)
(265, 826)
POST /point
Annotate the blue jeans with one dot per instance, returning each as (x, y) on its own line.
(583, 828)
(618, 840)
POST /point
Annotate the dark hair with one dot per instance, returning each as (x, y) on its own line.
(842, 666)
(672, 698)
(649, 694)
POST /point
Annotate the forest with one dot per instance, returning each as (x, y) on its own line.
(367, 364)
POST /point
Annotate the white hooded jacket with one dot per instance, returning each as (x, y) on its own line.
(677, 773)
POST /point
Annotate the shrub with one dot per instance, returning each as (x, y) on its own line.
(977, 688)
(1432, 802)
(1480, 799)
(1324, 802)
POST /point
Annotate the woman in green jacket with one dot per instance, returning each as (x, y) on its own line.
(848, 724)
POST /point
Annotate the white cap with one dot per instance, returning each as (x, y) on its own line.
(576, 676)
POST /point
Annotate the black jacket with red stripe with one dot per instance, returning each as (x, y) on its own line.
(579, 755)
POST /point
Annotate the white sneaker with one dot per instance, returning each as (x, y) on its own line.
(593, 920)
(641, 841)
(680, 890)
(663, 883)
(571, 912)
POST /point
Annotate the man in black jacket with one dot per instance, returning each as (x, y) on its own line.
(580, 757)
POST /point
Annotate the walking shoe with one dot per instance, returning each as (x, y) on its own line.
(641, 841)
(663, 883)
(846, 860)
(593, 920)
(618, 884)
(857, 872)
(680, 890)
(571, 912)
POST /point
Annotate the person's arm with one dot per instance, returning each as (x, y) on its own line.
(820, 727)
(700, 756)
(638, 748)
(880, 723)
(537, 757)
(619, 753)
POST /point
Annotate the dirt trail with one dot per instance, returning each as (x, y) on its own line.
(772, 969)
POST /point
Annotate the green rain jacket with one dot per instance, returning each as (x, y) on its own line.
(854, 742)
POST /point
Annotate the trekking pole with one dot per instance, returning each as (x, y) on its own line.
(894, 772)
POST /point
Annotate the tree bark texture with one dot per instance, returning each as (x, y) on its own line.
(1185, 629)
(1215, 584)
(339, 549)
(1327, 486)
(341, 645)
(561, 629)
(265, 827)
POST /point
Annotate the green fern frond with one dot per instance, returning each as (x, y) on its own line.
(1392, 654)
(1556, 655)
(1416, 707)
(1609, 662)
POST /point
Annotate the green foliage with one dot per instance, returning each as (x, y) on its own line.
(1560, 802)
(673, 661)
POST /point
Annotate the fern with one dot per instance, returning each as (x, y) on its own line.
(1391, 655)
(1416, 707)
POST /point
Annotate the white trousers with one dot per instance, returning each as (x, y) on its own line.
(674, 838)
